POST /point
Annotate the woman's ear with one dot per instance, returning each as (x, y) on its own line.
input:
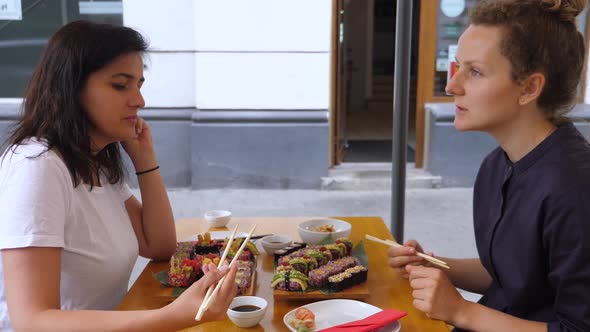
(531, 89)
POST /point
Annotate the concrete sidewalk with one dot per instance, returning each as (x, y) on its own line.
(441, 219)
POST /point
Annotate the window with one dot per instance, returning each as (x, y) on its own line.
(21, 42)
(450, 28)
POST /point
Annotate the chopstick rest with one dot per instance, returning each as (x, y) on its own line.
(370, 323)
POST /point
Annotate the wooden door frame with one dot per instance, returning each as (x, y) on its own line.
(426, 70)
(337, 79)
(334, 85)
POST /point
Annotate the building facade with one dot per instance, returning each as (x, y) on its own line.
(237, 92)
(266, 93)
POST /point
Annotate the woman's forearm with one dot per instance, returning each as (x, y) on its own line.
(156, 216)
(478, 318)
(95, 321)
(468, 274)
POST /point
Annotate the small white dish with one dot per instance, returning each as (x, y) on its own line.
(309, 235)
(246, 319)
(217, 218)
(272, 243)
(335, 312)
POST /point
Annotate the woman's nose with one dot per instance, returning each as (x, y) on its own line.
(137, 100)
(453, 86)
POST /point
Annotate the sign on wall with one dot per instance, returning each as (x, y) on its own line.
(452, 8)
(11, 10)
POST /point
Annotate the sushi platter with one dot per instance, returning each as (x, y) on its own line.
(324, 271)
(189, 257)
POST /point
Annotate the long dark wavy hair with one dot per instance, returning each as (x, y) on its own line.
(52, 110)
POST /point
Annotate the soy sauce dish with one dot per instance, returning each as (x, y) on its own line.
(247, 311)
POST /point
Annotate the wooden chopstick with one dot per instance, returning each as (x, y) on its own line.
(430, 258)
(391, 243)
(222, 260)
(207, 300)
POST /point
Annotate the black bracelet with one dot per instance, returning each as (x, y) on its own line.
(147, 170)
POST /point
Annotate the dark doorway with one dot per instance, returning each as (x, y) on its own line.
(368, 51)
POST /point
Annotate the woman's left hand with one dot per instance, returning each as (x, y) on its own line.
(434, 294)
(141, 148)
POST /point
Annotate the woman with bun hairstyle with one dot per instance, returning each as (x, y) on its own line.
(519, 67)
(70, 228)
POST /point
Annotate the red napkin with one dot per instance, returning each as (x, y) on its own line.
(370, 323)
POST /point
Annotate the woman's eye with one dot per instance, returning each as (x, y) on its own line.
(118, 86)
(475, 72)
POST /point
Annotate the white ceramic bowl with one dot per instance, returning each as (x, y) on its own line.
(309, 235)
(273, 243)
(249, 318)
(217, 218)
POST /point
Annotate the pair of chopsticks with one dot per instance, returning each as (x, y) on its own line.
(391, 243)
(211, 292)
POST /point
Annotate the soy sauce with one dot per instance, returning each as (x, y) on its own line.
(245, 308)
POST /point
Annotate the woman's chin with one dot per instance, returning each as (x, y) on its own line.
(461, 125)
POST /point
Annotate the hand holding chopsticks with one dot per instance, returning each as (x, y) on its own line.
(211, 294)
(221, 261)
(392, 243)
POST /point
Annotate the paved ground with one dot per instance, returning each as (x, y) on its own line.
(440, 219)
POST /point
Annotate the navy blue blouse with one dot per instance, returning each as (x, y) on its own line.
(532, 229)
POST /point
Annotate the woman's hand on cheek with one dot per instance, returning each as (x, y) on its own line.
(434, 294)
(141, 148)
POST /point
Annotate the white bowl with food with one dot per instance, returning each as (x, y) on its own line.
(247, 311)
(272, 243)
(217, 218)
(315, 230)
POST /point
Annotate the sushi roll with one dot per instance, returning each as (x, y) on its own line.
(244, 276)
(279, 254)
(290, 249)
(246, 255)
(205, 245)
(318, 256)
(283, 267)
(303, 264)
(299, 245)
(336, 250)
(318, 278)
(342, 264)
(185, 249)
(347, 242)
(340, 281)
(290, 280)
(297, 253)
(359, 274)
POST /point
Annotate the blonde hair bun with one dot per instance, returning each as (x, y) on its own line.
(566, 9)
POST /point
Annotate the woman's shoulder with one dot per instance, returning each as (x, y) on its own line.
(30, 148)
(571, 158)
(30, 155)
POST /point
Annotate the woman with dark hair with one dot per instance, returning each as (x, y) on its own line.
(70, 229)
(520, 63)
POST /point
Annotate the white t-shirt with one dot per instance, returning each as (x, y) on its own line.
(40, 207)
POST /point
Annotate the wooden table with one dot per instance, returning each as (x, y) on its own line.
(388, 289)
